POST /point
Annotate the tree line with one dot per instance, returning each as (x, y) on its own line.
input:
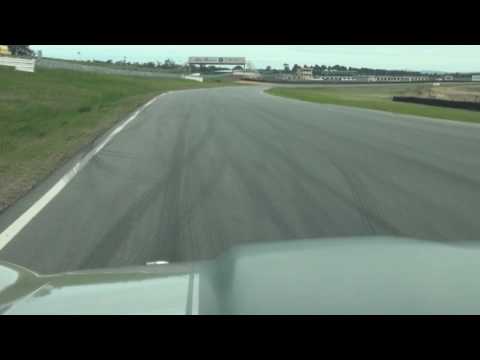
(20, 50)
(168, 64)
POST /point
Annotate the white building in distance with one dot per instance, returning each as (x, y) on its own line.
(305, 73)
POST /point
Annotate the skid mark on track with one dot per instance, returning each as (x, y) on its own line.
(173, 216)
(120, 232)
(107, 247)
(280, 153)
(255, 190)
(411, 159)
(359, 188)
(358, 194)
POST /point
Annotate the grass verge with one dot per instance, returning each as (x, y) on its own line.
(47, 116)
(375, 97)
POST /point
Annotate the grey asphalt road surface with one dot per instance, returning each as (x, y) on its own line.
(200, 171)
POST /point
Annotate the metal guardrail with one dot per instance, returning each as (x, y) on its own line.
(19, 64)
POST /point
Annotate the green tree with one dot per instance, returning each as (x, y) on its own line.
(168, 64)
(20, 50)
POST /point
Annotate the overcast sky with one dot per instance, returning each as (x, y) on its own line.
(462, 58)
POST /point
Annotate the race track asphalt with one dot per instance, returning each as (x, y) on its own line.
(199, 171)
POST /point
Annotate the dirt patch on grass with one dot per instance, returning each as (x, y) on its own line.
(452, 93)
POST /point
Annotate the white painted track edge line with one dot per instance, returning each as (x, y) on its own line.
(23, 220)
(196, 294)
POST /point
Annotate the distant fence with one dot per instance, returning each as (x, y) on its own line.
(468, 105)
(66, 65)
(19, 64)
(350, 82)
